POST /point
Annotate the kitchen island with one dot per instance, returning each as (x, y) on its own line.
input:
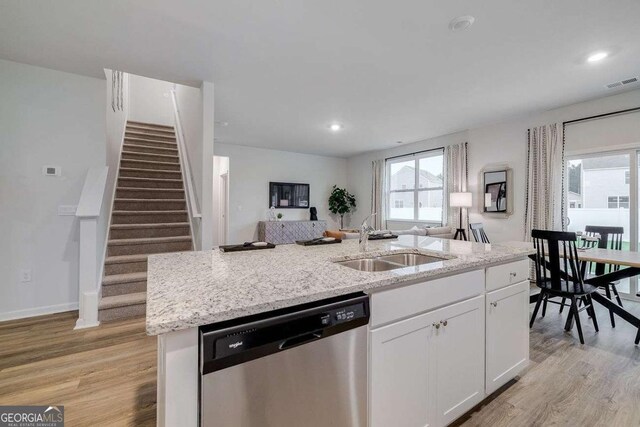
(447, 302)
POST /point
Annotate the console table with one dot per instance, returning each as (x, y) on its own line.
(282, 232)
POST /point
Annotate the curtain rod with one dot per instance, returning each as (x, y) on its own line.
(629, 110)
(413, 154)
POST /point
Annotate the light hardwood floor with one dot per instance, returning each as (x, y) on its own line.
(107, 376)
(104, 376)
(568, 384)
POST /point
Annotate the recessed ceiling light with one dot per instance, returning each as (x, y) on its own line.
(335, 127)
(461, 23)
(598, 56)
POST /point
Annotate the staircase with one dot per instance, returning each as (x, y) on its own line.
(149, 216)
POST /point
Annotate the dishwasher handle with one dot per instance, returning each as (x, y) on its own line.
(302, 339)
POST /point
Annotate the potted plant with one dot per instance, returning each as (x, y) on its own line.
(279, 216)
(341, 202)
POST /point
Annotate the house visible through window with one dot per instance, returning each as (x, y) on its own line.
(627, 177)
(415, 187)
(618, 202)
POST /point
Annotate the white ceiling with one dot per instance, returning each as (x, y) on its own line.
(388, 70)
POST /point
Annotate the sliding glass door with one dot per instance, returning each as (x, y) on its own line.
(602, 189)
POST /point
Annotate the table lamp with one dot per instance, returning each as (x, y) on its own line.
(460, 200)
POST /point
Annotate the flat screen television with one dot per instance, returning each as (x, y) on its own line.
(288, 195)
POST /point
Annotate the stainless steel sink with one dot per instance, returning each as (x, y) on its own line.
(369, 264)
(389, 262)
(410, 259)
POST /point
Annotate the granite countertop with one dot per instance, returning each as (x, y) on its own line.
(190, 289)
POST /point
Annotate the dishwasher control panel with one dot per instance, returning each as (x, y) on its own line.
(232, 342)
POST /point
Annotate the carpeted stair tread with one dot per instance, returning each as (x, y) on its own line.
(157, 225)
(161, 157)
(179, 211)
(114, 279)
(179, 173)
(169, 151)
(121, 199)
(168, 144)
(137, 128)
(123, 300)
(147, 240)
(158, 180)
(150, 135)
(135, 123)
(172, 167)
(158, 190)
(124, 259)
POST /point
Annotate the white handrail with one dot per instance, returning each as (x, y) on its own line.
(192, 204)
(89, 208)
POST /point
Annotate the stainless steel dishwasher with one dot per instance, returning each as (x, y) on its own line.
(301, 366)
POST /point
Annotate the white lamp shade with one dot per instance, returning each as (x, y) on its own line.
(487, 200)
(460, 200)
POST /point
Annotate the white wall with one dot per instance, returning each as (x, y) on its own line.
(504, 142)
(149, 101)
(47, 118)
(251, 170)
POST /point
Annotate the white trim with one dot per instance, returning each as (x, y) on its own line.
(414, 157)
(38, 311)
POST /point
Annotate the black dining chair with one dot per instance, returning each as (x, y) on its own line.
(608, 238)
(477, 229)
(558, 275)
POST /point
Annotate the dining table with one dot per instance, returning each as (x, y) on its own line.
(629, 263)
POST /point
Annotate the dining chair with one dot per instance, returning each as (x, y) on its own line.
(609, 237)
(558, 275)
(477, 229)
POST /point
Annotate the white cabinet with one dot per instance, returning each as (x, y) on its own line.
(429, 369)
(507, 334)
(459, 346)
(401, 374)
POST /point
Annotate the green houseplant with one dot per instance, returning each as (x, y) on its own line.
(341, 202)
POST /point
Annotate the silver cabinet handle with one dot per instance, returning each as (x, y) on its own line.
(444, 322)
(495, 303)
(437, 325)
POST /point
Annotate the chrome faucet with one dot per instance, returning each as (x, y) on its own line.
(365, 229)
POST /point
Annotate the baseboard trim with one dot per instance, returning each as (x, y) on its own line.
(38, 311)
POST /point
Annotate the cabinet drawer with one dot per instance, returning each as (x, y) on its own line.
(400, 303)
(503, 275)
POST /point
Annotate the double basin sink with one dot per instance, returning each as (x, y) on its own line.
(390, 262)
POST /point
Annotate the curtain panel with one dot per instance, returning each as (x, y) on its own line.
(457, 179)
(379, 195)
(545, 179)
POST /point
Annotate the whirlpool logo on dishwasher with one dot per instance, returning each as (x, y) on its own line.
(236, 344)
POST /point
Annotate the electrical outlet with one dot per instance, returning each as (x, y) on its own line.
(25, 276)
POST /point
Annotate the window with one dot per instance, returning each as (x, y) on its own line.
(618, 202)
(416, 187)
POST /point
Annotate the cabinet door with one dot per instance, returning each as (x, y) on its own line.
(401, 374)
(459, 346)
(507, 334)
